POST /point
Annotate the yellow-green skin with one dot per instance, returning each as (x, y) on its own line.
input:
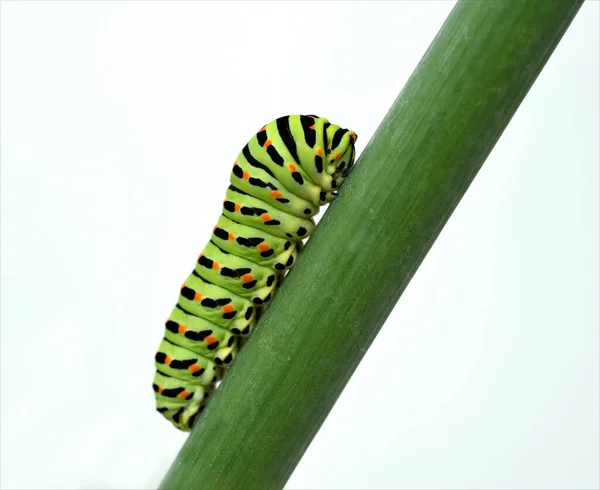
(287, 170)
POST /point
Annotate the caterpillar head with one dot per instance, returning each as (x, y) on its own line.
(340, 156)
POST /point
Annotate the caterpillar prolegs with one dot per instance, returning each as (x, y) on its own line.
(292, 166)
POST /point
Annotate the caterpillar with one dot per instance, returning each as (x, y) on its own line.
(290, 168)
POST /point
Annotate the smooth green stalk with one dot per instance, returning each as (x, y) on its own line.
(369, 244)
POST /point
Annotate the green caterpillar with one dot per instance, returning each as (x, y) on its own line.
(285, 172)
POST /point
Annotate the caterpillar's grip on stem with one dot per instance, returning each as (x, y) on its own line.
(290, 168)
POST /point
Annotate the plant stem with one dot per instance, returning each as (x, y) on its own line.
(367, 247)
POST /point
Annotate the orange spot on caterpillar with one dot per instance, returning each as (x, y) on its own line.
(238, 207)
(265, 217)
(262, 129)
(263, 247)
(184, 394)
(276, 194)
(227, 308)
(267, 144)
(183, 285)
(160, 389)
(182, 329)
(216, 265)
(168, 360)
(292, 167)
(211, 339)
(354, 136)
(312, 127)
(234, 164)
(320, 152)
(194, 367)
(337, 156)
(246, 175)
(231, 236)
(197, 297)
(247, 278)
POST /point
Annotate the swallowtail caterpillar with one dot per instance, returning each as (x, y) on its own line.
(290, 168)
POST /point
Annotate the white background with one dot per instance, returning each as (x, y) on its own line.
(120, 122)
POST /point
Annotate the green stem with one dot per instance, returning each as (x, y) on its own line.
(370, 242)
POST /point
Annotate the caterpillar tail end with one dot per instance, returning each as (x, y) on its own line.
(183, 415)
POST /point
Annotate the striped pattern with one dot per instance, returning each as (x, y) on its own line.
(290, 168)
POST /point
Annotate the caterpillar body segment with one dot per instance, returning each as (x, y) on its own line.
(287, 170)
(255, 245)
(216, 304)
(257, 214)
(242, 276)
